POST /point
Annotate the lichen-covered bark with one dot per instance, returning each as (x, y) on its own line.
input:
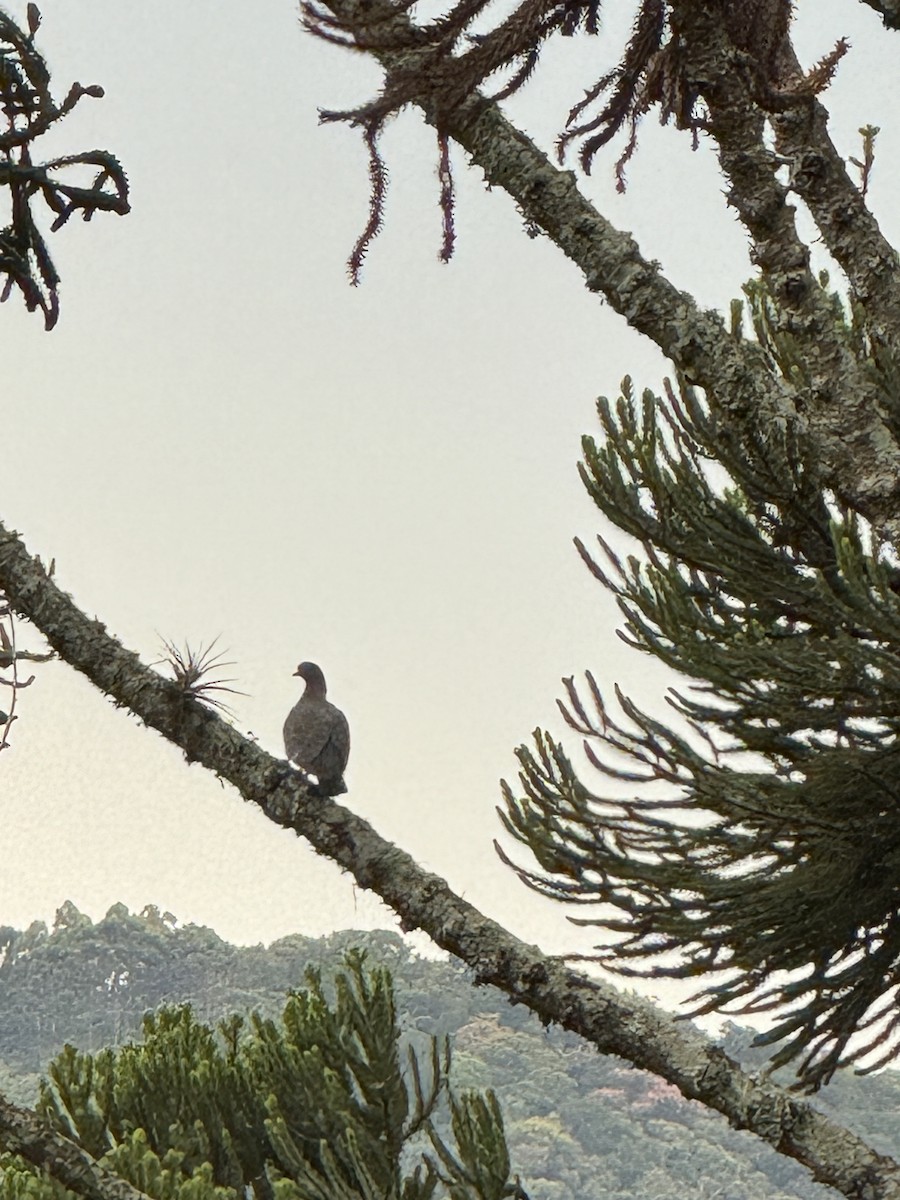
(22, 1132)
(889, 9)
(838, 397)
(819, 176)
(629, 1027)
(860, 460)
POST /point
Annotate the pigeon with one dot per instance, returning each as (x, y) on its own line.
(316, 734)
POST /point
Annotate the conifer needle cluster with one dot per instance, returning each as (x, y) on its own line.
(325, 1104)
(752, 841)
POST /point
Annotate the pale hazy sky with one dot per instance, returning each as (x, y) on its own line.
(222, 437)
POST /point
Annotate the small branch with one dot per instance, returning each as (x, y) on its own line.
(868, 133)
(28, 109)
(10, 657)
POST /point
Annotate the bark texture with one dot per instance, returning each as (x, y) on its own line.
(819, 176)
(889, 10)
(860, 459)
(22, 1132)
(837, 396)
(631, 1028)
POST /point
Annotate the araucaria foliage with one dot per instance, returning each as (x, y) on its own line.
(442, 64)
(324, 1104)
(762, 852)
(27, 111)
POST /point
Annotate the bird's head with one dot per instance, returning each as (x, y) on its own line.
(312, 675)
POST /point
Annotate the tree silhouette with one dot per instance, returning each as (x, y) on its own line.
(29, 111)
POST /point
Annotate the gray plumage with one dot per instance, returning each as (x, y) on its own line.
(316, 734)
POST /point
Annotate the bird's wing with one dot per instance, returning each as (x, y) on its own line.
(305, 734)
(332, 758)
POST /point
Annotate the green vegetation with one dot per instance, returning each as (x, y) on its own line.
(319, 1105)
(579, 1126)
(749, 844)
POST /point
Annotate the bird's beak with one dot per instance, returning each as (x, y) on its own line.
(297, 672)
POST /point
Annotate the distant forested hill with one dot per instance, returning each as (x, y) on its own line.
(581, 1126)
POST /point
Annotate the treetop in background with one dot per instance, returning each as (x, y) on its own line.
(580, 1126)
(321, 1105)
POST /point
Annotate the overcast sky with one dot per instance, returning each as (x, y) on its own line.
(223, 438)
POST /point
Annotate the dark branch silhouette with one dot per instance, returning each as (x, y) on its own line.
(29, 110)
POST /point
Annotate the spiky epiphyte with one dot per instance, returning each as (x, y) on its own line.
(192, 672)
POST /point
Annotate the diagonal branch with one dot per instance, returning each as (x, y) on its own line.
(626, 1026)
(22, 1132)
(861, 463)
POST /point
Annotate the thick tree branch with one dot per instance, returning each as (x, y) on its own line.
(889, 9)
(859, 458)
(727, 78)
(838, 391)
(818, 175)
(22, 1132)
(631, 1028)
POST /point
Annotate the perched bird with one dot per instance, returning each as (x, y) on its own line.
(316, 734)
